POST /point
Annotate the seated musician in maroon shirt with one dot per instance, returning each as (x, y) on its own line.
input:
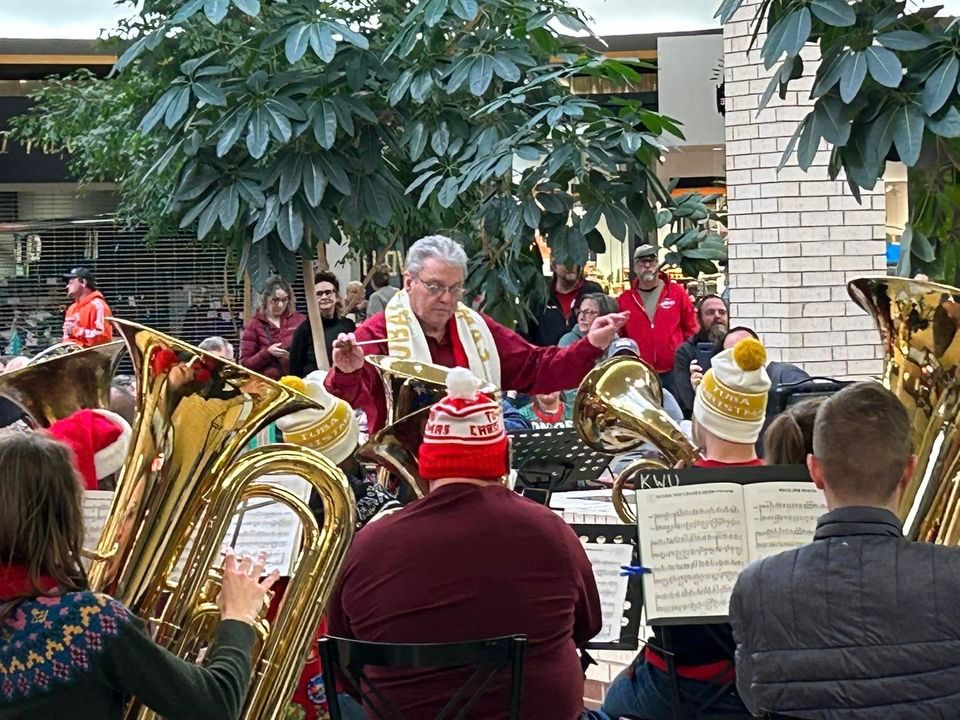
(426, 321)
(469, 561)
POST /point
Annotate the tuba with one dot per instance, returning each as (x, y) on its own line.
(411, 388)
(56, 387)
(919, 325)
(618, 408)
(178, 492)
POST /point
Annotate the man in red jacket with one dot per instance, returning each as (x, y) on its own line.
(661, 314)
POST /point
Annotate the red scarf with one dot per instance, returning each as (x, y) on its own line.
(15, 583)
(459, 354)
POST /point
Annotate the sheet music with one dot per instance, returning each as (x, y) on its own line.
(781, 516)
(96, 508)
(693, 539)
(606, 560)
(588, 503)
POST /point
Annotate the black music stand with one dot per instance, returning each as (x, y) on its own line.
(633, 608)
(555, 459)
(694, 476)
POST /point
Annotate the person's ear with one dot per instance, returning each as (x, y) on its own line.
(815, 470)
(407, 281)
(908, 471)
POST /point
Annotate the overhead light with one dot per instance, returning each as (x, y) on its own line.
(718, 148)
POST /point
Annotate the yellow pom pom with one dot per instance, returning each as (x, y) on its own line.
(294, 383)
(749, 354)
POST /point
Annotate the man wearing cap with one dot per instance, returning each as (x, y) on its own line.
(427, 322)
(661, 314)
(471, 560)
(86, 320)
(728, 415)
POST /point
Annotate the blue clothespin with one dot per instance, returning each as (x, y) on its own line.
(630, 570)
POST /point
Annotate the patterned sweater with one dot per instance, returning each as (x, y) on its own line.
(81, 655)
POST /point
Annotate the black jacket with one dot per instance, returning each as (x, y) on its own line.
(860, 624)
(303, 360)
(548, 323)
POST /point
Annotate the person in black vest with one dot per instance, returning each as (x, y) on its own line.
(861, 623)
(303, 360)
(557, 316)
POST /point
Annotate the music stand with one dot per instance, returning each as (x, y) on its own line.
(555, 459)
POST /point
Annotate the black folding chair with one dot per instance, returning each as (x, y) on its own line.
(488, 657)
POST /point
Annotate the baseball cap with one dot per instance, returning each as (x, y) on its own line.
(81, 273)
(623, 346)
(645, 250)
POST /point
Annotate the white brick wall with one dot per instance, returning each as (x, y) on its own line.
(795, 237)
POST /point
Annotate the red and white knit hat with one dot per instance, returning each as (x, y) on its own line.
(99, 440)
(464, 437)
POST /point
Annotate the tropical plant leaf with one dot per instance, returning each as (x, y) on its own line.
(884, 66)
(908, 133)
(834, 12)
(940, 84)
(853, 68)
(216, 10)
(905, 40)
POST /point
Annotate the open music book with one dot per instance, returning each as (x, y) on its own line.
(697, 538)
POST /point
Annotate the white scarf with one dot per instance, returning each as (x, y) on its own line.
(406, 339)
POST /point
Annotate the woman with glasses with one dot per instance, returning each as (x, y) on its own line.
(303, 360)
(591, 307)
(267, 336)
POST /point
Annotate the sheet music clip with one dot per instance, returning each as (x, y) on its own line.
(555, 459)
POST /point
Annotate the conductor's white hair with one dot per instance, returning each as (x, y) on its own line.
(438, 247)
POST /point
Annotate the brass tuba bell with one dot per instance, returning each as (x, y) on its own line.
(618, 408)
(58, 386)
(411, 388)
(919, 324)
(182, 483)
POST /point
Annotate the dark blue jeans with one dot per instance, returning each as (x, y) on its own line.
(643, 691)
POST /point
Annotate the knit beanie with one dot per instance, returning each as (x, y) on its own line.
(332, 430)
(464, 436)
(731, 399)
(99, 440)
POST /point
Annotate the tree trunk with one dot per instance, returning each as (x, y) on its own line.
(313, 312)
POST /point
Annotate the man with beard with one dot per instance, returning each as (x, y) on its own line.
(712, 315)
(558, 316)
(661, 314)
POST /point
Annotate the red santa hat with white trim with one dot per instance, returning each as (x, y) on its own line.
(99, 440)
(465, 437)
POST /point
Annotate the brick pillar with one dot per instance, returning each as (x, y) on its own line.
(795, 237)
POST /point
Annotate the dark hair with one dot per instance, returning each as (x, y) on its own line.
(327, 276)
(861, 439)
(41, 515)
(278, 283)
(743, 328)
(605, 304)
(789, 437)
(380, 277)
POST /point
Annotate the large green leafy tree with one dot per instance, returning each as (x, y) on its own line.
(272, 126)
(886, 89)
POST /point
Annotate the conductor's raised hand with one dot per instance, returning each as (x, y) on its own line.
(347, 355)
(243, 591)
(604, 329)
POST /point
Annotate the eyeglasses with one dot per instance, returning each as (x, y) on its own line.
(436, 289)
(324, 293)
(587, 313)
(651, 260)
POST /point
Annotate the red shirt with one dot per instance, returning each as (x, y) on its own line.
(469, 562)
(674, 322)
(707, 463)
(523, 367)
(566, 299)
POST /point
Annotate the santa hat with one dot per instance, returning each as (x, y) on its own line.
(464, 436)
(99, 440)
(731, 399)
(332, 430)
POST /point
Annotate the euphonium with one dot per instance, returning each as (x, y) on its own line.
(618, 408)
(919, 324)
(182, 483)
(411, 387)
(52, 389)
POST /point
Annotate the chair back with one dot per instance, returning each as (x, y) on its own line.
(489, 658)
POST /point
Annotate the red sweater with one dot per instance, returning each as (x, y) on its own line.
(259, 334)
(523, 367)
(674, 321)
(465, 563)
